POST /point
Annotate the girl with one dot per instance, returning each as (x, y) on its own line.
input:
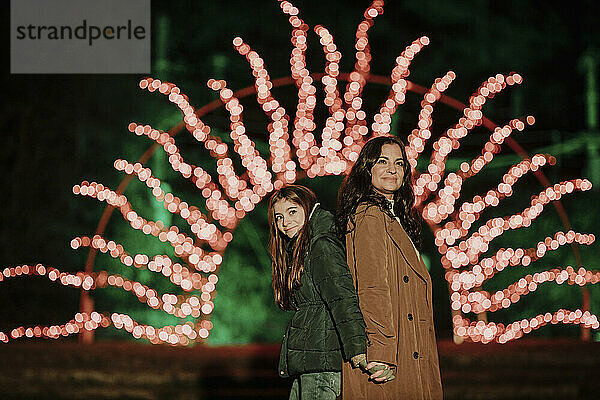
(375, 211)
(311, 277)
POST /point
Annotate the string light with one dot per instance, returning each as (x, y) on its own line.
(329, 162)
(358, 78)
(204, 231)
(418, 137)
(482, 301)
(382, 120)
(443, 205)
(428, 181)
(181, 334)
(181, 243)
(180, 306)
(487, 268)
(219, 207)
(281, 158)
(485, 333)
(478, 242)
(304, 124)
(177, 273)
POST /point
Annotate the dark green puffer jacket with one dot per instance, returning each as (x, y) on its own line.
(327, 324)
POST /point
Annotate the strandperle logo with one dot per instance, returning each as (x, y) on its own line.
(84, 31)
(80, 36)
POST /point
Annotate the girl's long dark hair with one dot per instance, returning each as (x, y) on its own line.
(357, 188)
(287, 265)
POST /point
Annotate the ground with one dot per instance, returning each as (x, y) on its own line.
(526, 369)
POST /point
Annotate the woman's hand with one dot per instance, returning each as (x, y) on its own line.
(380, 372)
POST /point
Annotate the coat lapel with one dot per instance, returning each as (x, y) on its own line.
(404, 244)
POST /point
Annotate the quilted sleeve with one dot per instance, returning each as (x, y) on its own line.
(334, 284)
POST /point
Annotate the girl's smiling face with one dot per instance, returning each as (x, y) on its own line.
(289, 217)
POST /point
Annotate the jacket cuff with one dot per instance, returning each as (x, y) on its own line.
(354, 348)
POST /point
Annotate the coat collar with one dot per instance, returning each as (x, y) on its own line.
(401, 239)
(406, 247)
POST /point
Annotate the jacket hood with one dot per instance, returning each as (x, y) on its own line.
(321, 222)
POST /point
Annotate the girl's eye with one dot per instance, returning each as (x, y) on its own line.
(278, 217)
(381, 161)
(292, 212)
(400, 163)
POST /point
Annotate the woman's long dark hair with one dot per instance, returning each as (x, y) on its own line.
(288, 265)
(357, 188)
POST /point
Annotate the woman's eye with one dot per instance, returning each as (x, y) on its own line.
(277, 217)
(381, 161)
(292, 212)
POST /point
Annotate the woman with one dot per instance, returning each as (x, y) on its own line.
(375, 211)
(310, 276)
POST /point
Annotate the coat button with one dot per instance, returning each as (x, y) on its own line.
(405, 278)
(410, 317)
(282, 373)
(415, 355)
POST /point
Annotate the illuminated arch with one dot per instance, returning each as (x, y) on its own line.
(230, 197)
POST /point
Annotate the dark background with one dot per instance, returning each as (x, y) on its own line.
(58, 130)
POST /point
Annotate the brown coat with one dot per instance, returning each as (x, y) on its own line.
(394, 292)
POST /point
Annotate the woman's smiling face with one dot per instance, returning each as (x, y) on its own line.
(388, 171)
(289, 217)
